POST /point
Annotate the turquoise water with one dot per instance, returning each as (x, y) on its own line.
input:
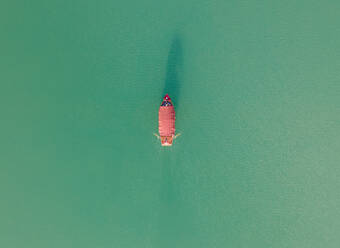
(256, 92)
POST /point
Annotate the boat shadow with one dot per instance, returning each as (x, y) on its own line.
(174, 67)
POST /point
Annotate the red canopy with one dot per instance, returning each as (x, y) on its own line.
(166, 121)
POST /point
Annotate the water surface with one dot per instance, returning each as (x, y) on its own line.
(256, 92)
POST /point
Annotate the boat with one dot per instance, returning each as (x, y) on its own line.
(166, 121)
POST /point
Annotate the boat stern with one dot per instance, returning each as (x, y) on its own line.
(166, 140)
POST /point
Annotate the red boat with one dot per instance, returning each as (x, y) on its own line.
(166, 122)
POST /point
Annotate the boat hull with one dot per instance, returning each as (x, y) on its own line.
(166, 121)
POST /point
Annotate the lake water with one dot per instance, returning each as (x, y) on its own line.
(256, 88)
